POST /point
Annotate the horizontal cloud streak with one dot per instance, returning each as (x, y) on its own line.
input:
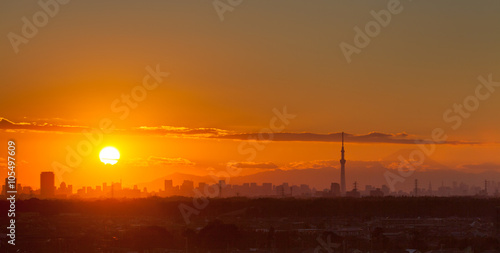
(179, 131)
(165, 161)
(373, 137)
(254, 165)
(480, 167)
(8, 125)
(215, 133)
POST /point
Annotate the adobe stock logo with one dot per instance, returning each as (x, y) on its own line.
(222, 7)
(372, 29)
(29, 29)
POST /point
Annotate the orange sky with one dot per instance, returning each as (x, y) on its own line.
(226, 78)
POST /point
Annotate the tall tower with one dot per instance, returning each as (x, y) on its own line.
(342, 168)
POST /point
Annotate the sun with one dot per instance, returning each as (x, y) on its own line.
(109, 155)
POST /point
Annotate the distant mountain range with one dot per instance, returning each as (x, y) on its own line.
(364, 172)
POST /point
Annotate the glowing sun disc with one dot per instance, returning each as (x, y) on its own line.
(109, 155)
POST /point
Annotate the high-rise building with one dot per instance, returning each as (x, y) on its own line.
(5, 187)
(305, 190)
(62, 189)
(169, 185)
(187, 187)
(10, 186)
(385, 189)
(354, 193)
(342, 168)
(47, 186)
(254, 189)
(335, 190)
(222, 184)
(267, 188)
(376, 193)
(202, 186)
(280, 190)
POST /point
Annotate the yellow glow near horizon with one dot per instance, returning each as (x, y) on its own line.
(109, 155)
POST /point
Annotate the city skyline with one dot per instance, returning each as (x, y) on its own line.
(188, 188)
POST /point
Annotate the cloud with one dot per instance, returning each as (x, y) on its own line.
(55, 121)
(373, 137)
(179, 131)
(160, 161)
(254, 165)
(169, 161)
(317, 164)
(170, 131)
(481, 167)
(215, 133)
(4, 163)
(10, 126)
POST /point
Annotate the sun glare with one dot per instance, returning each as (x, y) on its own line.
(109, 155)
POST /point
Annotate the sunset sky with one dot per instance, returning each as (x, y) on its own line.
(227, 79)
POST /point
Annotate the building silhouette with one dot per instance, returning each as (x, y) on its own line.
(222, 184)
(5, 186)
(47, 186)
(342, 168)
(354, 193)
(267, 188)
(187, 187)
(376, 193)
(335, 190)
(168, 185)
